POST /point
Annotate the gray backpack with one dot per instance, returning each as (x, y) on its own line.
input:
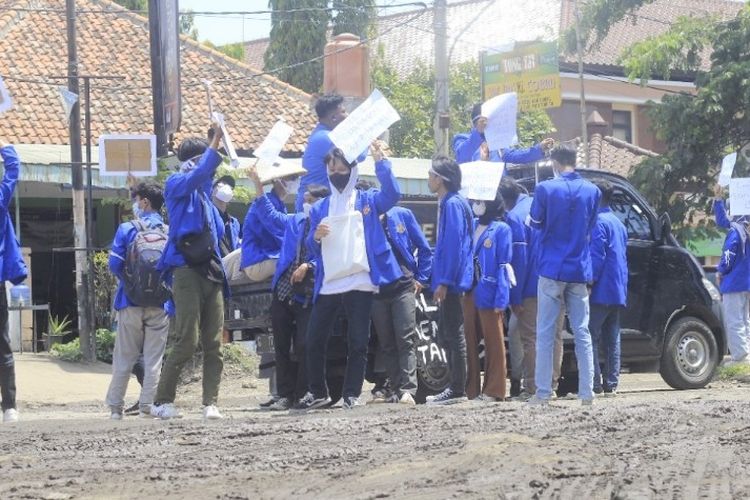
(142, 281)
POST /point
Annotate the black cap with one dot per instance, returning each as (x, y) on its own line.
(476, 111)
(226, 179)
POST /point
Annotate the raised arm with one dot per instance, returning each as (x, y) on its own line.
(10, 178)
(464, 145)
(389, 193)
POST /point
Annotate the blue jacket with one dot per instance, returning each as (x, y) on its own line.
(525, 251)
(13, 266)
(384, 267)
(720, 211)
(313, 160)
(408, 238)
(261, 239)
(609, 260)
(452, 264)
(493, 249)
(189, 207)
(123, 238)
(466, 147)
(565, 211)
(734, 266)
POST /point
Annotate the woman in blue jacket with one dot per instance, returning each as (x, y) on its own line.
(734, 269)
(489, 297)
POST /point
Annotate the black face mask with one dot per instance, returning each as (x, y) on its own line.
(339, 181)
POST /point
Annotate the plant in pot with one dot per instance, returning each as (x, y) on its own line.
(56, 329)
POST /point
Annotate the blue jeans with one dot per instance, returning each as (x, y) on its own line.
(356, 307)
(604, 325)
(550, 301)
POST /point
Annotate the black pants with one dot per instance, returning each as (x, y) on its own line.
(453, 341)
(289, 322)
(7, 367)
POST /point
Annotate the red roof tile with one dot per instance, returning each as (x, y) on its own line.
(613, 155)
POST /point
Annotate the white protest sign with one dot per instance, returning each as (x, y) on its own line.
(501, 112)
(69, 99)
(6, 103)
(270, 149)
(364, 125)
(727, 167)
(739, 196)
(480, 179)
(234, 160)
(127, 154)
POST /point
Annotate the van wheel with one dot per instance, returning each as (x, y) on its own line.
(690, 355)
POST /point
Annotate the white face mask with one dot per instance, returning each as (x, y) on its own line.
(479, 208)
(137, 212)
(224, 192)
(306, 207)
(291, 187)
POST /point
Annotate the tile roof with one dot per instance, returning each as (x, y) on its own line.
(613, 155)
(255, 50)
(33, 45)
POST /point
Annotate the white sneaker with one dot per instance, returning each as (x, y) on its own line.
(10, 415)
(351, 402)
(165, 411)
(537, 401)
(211, 412)
(407, 399)
(115, 415)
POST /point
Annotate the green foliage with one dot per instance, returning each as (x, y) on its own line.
(353, 16)
(414, 97)
(739, 372)
(187, 25)
(297, 37)
(238, 358)
(57, 326)
(105, 344)
(68, 352)
(105, 284)
(234, 50)
(597, 17)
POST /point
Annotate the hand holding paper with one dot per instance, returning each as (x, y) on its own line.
(501, 112)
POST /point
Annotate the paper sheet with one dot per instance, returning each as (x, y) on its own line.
(501, 112)
(739, 196)
(123, 154)
(480, 179)
(270, 149)
(727, 167)
(364, 125)
(234, 160)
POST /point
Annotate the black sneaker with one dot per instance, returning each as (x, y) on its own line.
(515, 388)
(309, 402)
(447, 397)
(268, 403)
(133, 410)
(281, 404)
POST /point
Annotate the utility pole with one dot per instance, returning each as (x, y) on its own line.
(88, 348)
(442, 96)
(579, 49)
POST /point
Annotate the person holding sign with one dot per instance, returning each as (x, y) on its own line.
(452, 272)
(472, 146)
(352, 259)
(192, 266)
(720, 208)
(734, 269)
(330, 110)
(485, 303)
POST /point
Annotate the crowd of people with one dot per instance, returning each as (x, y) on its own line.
(349, 249)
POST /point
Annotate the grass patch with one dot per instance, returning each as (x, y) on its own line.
(237, 358)
(68, 352)
(734, 372)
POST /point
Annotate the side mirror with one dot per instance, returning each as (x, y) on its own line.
(664, 229)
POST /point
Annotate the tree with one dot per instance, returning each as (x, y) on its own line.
(698, 129)
(353, 16)
(233, 50)
(141, 5)
(187, 25)
(297, 39)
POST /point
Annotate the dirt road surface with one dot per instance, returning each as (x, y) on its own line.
(648, 442)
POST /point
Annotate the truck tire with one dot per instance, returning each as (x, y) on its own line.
(690, 356)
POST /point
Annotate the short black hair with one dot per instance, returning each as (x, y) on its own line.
(364, 184)
(449, 171)
(607, 190)
(510, 190)
(318, 191)
(326, 104)
(191, 147)
(564, 155)
(226, 179)
(151, 192)
(476, 111)
(337, 154)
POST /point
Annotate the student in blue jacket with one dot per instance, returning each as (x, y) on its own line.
(192, 266)
(14, 270)
(221, 195)
(565, 211)
(472, 146)
(140, 329)
(330, 111)
(452, 271)
(485, 303)
(292, 294)
(609, 292)
(394, 309)
(353, 292)
(734, 269)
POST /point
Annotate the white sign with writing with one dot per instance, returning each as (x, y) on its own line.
(364, 125)
(480, 179)
(739, 196)
(501, 112)
(6, 103)
(234, 160)
(270, 149)
(727, 167)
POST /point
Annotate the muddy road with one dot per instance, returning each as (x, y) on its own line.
(647, 443)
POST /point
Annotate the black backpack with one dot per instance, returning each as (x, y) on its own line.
(142, 282)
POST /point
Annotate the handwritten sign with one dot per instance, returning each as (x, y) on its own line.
(727, 167)
(234, 160)
(270, 149)
(480, 179)
(6, 103)
(501, 113)
(364, 125)
(739, 196)
(120, 155)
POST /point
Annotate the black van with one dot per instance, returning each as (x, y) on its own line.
(673, 318)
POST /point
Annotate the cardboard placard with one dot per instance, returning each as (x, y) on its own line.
(120, 155)
(270, 149)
